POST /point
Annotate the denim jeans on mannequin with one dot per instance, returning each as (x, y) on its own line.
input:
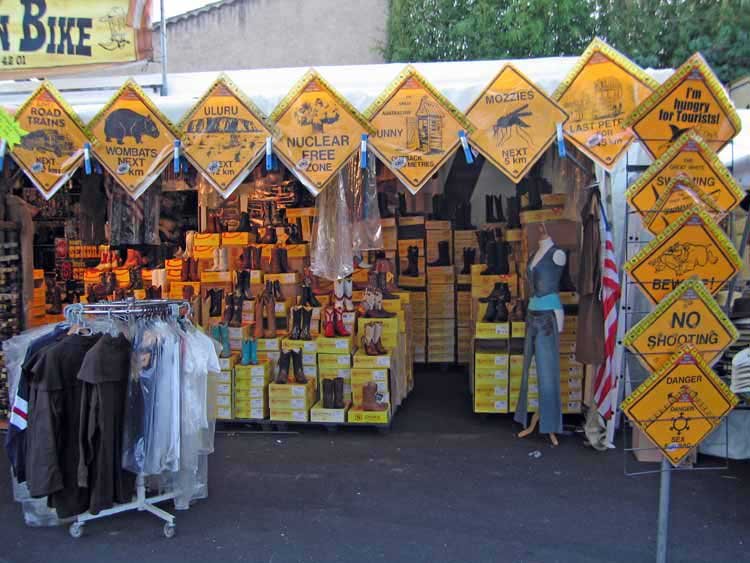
(543, 343)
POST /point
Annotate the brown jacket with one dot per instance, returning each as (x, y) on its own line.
(590, 331)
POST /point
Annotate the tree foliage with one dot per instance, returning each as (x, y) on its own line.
(654, 33)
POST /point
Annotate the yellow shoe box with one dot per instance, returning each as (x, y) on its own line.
(491, 405)
(319, 414)
(517, 329)
(224, 400)
(404, 244)
(515, 383)
(207, 239)
(490, 331)
(235, 239)
(290, 415)
(492, 360)
(533, 403)
(261, 369)
(499, 391)
(224, 376)
(239, 333)
(290, 403)
(362, 360)
(441, 275)
(269, 344)
(334, 361)
(250, 393)
(216, 277)
(248, 413)
(291, 390)
(224, 413)
(359, 416)
(363, 375)
(335, 345)
(247, 403)
(328, 373)
(491, 377)
(308, 346)
(390, 325)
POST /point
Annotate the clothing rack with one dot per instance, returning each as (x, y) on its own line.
(126, 310)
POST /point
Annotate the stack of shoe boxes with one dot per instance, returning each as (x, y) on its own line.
(491, 375)
(221, 386)
(38, 302)
(335, 360)
(370, 389)
(251, 391)
(412, 276)
(441, 298)
(291, 402)
(466, 252)
(571, 372)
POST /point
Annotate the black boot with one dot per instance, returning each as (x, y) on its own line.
(489, 209)
(444, 254)
(136, 280)
(385, 213)
(469, 258)
(514, 217)
(412, 255)
(216, 297)
(499, 215)
(437, 202)
(328, 394)
(243, 285)
(501, 312)
(534, 194)
(244, 226)
(296, 323)
(491, 312)
(294, 235)
(237, 303)
(491, 269)
(338, 393)
(503, 267)
(402, 212)
(305, 322)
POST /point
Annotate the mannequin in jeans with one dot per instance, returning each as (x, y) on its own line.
(544, 324)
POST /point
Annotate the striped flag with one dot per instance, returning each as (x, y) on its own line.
(604, 383)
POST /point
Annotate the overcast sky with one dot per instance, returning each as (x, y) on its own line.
(176, 7)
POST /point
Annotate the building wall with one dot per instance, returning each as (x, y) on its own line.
(276, 33)
(740, 93)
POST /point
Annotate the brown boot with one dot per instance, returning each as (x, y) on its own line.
(226, 318)
(369, 398)
(255, 257)
(377, 339)
(299, 371)
(236, 320)
(367, 340)
(187, 292)
(275, 264)
(185, 270)
(282, 376)
(328, 396)
(270, 315)
(246, 259)
(338, 393)
(259, 304)
(194, 274)
(283, 261)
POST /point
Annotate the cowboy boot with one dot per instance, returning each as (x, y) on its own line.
(216, 333)
(412, 257)
(518, 312)
(194, 274)
(299, 371)
(385, 213)
(284, 260)
(277, 295)
(491, 312)
(256, 255)
(269, 236)
(348, 289)
(216, 297)
(492, 254)
(367, 340)
(339, 323)
(136, 281)
(246, 258)
(514, 210)
(226, 349)
(187, 292)
(489, 209)
(328, 393)
(210, 223)
(329, 321)
(215, 267)
(501, 312)
(270, 314)
(236, 320)
(444, 255)
(499, 292)
(244, 226)
(226, 317)
(377, 339)
(378, 303)
(294, 235)
(338, 293)
(275, 263)
(156, 292)
(503, 267)
(306, 320)
(296, 322)
(312, 301)
(185, 270)
(246, 358)
(253, 351)
(369, 398)
(499, 215)
(259, 304)
(338, 392)
(282, 377)
(267, 213)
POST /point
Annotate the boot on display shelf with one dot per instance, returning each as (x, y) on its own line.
(501, 311)
(216, 298)
(491, 312)
(136, 278)
(226, 350)
(518, 311)
(269, 236)
(284, 261)
(499, 292)
(338, 293)
(294, 235)
(256, 255)
(246, 258)
(370, 398)
(134, 259)
(193, 273)
(385, 212)
(499, 215)
(185, 270)
(339, 323)
(306, 321)
(277, 295)
(492, 254)
(189, 244)
(329, 321)
(226, 317)
(348, 293)
(534, 194)
(296, 315)
(270, 316)
(297, 368)
(244, 226)
(470, 255)
(489, 209)
(308, 298)
(378, 305)
(249, 353)
(328, 399)
(236, 320)
(259, 304)
(282, 376)
(514, 210)
(412, 257)
(243, 282)
(219, 260)
(55, 307)
(444, 254)
(502, 264)
(381, 283)
(367, 340)
(463, 217)
(187, 292)
(338, 393)
(437, 204)
(377, 339)
(109, 279)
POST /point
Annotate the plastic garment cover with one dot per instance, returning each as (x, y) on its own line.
(332, 257)
(133, 221)
(199, 359)
(151, 442)
(367, 233)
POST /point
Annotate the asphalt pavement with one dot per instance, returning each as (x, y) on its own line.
(442, 485)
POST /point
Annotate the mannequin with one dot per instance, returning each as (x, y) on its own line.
(544, 323)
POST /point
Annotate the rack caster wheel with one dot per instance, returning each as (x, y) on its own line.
(169, 530)
(76, 530)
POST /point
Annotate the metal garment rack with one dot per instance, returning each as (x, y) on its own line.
(126, 310)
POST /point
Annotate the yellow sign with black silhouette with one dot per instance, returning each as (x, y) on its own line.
(691, 156)
(515, 122)
(688, 315)
(319, 131)
(133, 139)
(680, 405)
(691, 246)
(602, 89)
(224, 135)
(681, 194)
(691, 99)
(416, 128)
(53, 148)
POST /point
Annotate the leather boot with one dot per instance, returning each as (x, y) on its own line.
(243, 285)
(282, 377)
(489, 209)
(499, 215)
(348, 293)
(482, 240)
(269, 236)
(328, 394)
(470, 255)
(369, 398)
(194, 274)
(236, 320)
(491, 312)
(136, 280)
(247, 349)
(55, 307)
(367, 341)
(329, 321)
(216, 261)
(294, 235)
(338, 393)
(339, 323)
(412, 268)
(277, 295)
(156, 292)
(256, 254)
(491, 269)
(338, 293)
(514, 210)
(382, 284)
(499, 292)
(437, 203)
(518, 312)
(444, 254)
(274, 265)
(296, 322)
(226, 349)
(385, 212)
(378, 302)
(244, 226)
(501, 312)
(259, 304)
(187, 292)
(216, 297)
(185, 270)
(246, 259)
(226, 317)
(270, 316)
(311, 300)
(210, 223)
(503, 267)
(284, 261)
(305, 321)
(267, 213)
(299, 371)
(377, 339)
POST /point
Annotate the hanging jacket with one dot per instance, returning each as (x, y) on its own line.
(590, 329)
(54, 421)
(104, 376)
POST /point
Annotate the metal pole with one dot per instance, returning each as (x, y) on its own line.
(662, 534)
(163, 41)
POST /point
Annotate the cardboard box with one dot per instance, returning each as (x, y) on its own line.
(283, 279)
(359, 416)
(250, 393)
(491, 377)
(291, 390)
(363, 375)
(308, 346)
(224, 413)
(334, 361)
(491, 405)
(261, 369)
(236, 239)
(332, 373)
(362, 360)
(441, 275)
(207, 239)
(247, 413)
(269, 344)
(228, 363)
(335, 345)
(319, 414)
(290, 415)
(493, 361)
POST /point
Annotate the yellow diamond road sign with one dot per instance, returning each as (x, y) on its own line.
(679, 405)
(600, 91)
(691, 99)
(416, 128)
(681, 194)
(691, 246)
(688, 315)
(224, 135)
(692, 156)
(320, 131)
(515, 122)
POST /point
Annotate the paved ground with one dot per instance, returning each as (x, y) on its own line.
(442, 486)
